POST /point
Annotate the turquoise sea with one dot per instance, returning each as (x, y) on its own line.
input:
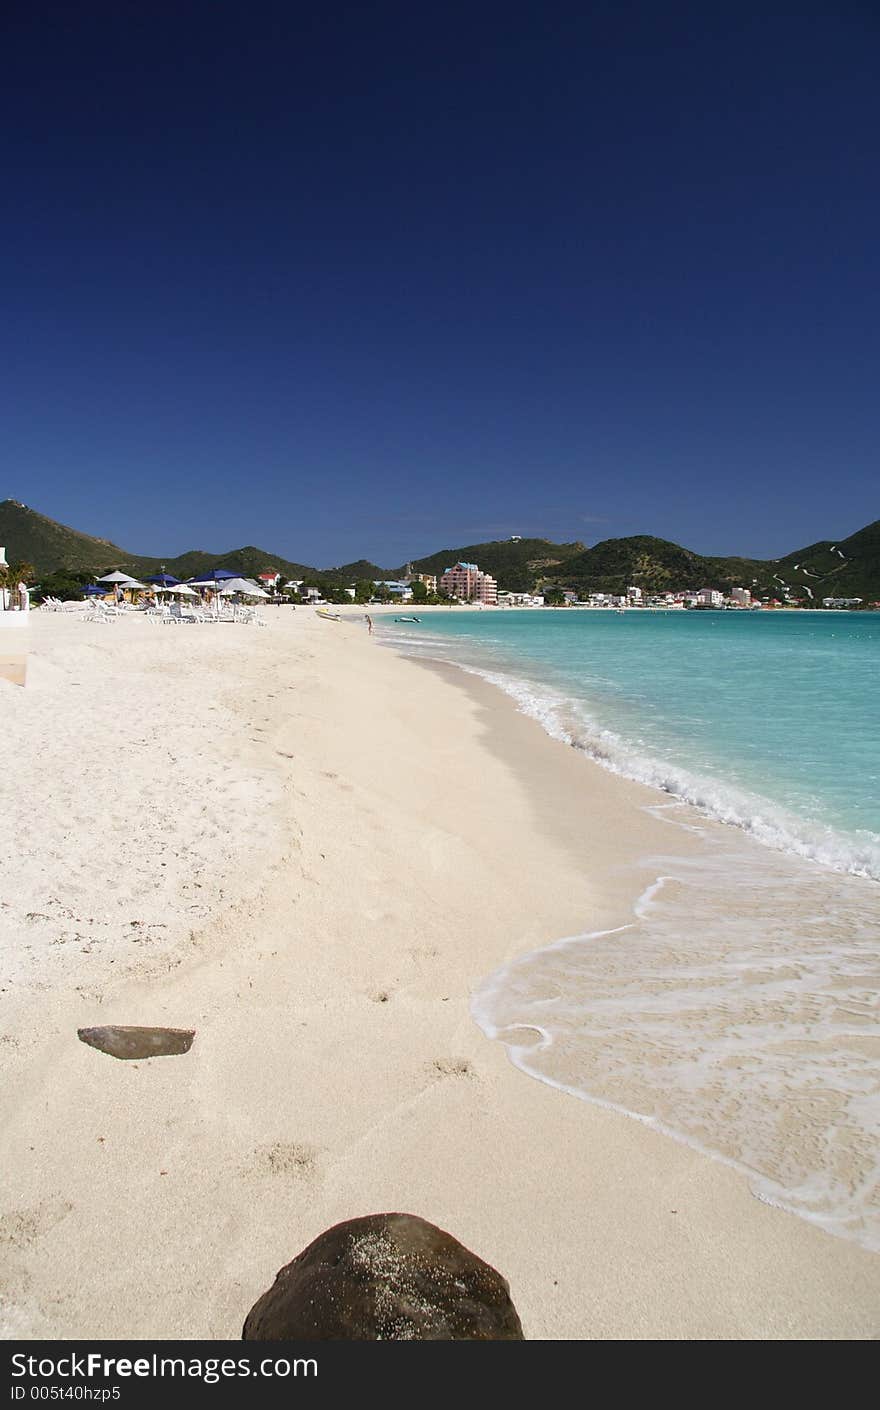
(738, 1010)
(769, 720)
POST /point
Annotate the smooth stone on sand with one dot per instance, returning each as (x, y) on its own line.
(385, 1277)
(130, 1042)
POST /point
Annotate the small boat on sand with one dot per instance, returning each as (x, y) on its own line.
(329, 616)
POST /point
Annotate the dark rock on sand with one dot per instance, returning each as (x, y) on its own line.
(130, 1043)
(386, 1277)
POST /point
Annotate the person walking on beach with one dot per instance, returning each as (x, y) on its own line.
(369, 623)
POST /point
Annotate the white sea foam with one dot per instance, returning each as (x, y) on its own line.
(736, 1012)
(566, 719)
(727, 1015)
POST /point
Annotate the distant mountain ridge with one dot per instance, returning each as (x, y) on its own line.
(52, 547)
(33, 538)
(848, 567)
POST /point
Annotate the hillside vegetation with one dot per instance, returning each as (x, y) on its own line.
(516, 565)
(33, 538)
(848, 567)
(838, 567)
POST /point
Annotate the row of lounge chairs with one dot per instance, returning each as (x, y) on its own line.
(93, 608)
(54, 604)
(174, 613)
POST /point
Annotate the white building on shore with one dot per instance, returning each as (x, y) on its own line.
(398, 587)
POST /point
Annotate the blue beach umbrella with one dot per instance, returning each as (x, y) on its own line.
(164, 580)
(92, 590)
(216, 575)
(214, 579)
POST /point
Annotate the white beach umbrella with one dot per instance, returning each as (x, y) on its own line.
(118, 577)
(180, 588)
(242, 586)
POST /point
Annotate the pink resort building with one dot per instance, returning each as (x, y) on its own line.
(468, 584)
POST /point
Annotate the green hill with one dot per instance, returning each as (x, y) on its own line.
(847, 567)
(52, 547)
(33, 538)
(843, 568)
(249, 562)
(642, 561)
(517, 564)
(838, 567)
(655, 565)
(352, 572)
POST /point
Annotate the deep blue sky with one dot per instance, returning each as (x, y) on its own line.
(383, 278)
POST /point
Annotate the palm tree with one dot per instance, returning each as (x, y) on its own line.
(14, 573)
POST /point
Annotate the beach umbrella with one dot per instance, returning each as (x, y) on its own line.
(117, 577)
(178, 588)
(216, 575)
(164, 579)
(242, 586)
(92, 590)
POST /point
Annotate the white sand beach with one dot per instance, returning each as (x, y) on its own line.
(312, 851)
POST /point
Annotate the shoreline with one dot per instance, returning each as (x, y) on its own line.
(770, 822)
(354, 611)
(419, 835)
(509, 1008)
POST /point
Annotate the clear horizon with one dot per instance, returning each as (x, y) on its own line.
(372, 283)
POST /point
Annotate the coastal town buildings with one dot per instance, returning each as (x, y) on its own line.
(520, 599)
(465, 582)
(398, 587)
(429, 580)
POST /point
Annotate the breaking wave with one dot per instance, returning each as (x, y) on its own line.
(856, 854)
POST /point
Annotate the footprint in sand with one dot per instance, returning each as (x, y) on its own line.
(424, 952)
(285, 1158)
(21, 1227)
(334, 778)
(453, 1067)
